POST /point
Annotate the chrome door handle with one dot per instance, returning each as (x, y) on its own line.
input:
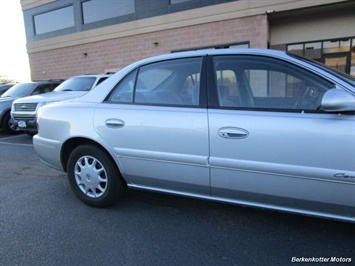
(233, 133)
(114, 123)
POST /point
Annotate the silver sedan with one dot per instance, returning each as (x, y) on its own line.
(253, 127)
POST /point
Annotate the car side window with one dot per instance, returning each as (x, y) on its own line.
(123, 91)
(173, 82)
(101, 80)
(43, 88)
(265, 83)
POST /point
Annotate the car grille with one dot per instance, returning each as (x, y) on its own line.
(23, 116)
(25, 107)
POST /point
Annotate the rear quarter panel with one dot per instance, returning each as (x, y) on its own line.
(59, 123)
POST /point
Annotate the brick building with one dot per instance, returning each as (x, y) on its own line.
(73, 37)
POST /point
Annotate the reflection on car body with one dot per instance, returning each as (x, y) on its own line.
(254, 127)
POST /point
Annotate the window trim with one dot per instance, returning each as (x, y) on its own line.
(82, 3)
(202, 87)
(213, 102)
(51, 11)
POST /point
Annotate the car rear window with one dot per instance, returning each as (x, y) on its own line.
(77, 84)
(19, 90)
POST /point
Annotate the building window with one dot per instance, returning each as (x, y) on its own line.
(296, 49)
(336, 46)
(97, 10)
(54, 20)
(238, 46)
(335, 53)
(314, 50)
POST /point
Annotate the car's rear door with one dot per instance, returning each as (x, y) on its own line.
(269, 144)
(159, 133)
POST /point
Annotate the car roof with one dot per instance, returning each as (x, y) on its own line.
(248, 51)
(7, 84)
(199, 53)
(94, 75)
(46, 81)
(204, 52)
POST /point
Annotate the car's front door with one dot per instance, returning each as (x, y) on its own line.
(159, 134)
(269, 144)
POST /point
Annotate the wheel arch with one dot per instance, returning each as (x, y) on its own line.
(116, 184)
(3, 114)
(5, 119)
(73, 143)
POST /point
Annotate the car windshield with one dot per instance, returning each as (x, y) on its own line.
(19, 90)
(77, 84)
(340, 75)
(6, 86)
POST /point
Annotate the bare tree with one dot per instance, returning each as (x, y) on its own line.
(4, 79)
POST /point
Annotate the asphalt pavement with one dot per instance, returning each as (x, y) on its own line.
(43, 223)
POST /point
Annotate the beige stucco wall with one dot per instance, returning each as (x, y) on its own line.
(309, 28)
(27, 4)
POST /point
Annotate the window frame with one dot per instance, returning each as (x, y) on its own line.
(35, 23)
(102, 18)
(213, 90)
(135, 72)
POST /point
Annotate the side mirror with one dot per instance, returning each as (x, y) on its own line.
(337, 100)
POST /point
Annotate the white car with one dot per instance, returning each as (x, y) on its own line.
(24, 110)
(19, 91)
(256, 127)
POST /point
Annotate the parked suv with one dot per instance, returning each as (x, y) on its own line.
(18, 91)
(24, 110)
(5, 87)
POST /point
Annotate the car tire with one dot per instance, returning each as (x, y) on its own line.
(94, 176)
(5, 124)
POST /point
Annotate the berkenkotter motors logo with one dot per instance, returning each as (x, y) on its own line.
(320, 260)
